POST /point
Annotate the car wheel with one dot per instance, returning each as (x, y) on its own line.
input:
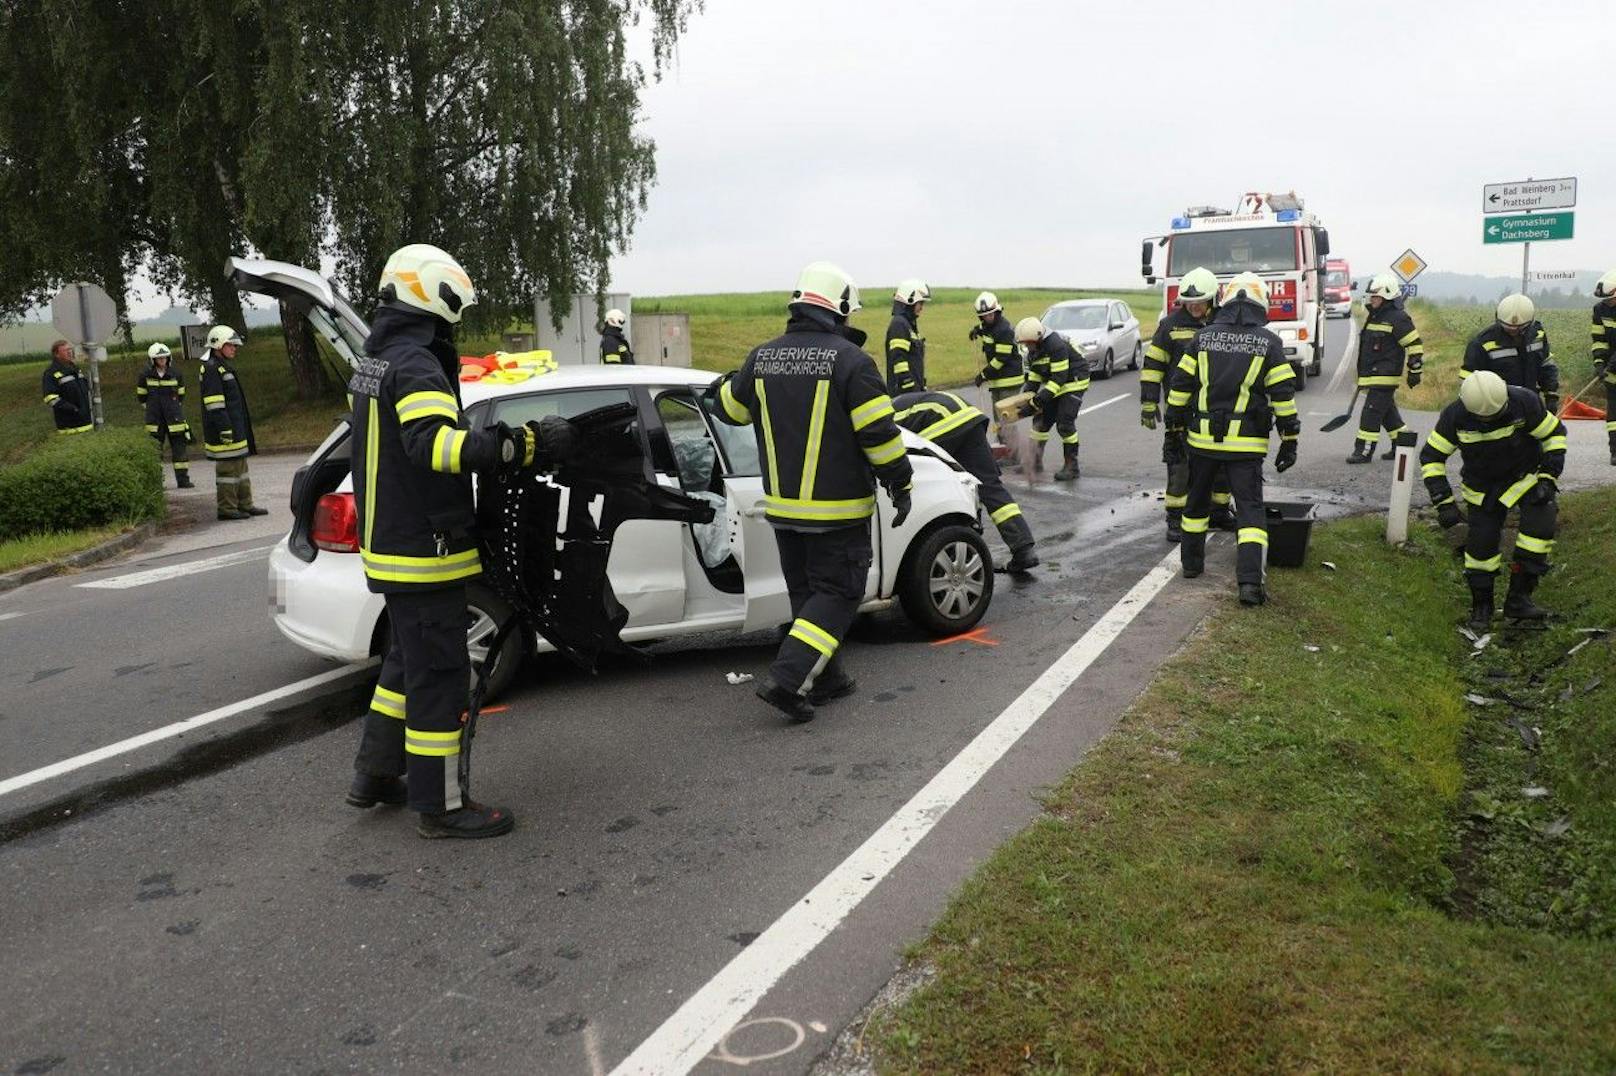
(947, 580)
(1106, 366)
(1300, 369)
(1133, 363)
(487, 611)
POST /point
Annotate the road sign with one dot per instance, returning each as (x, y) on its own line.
(1529, 228)
(1408, 265)
(1529, 195)
(1410, 290)
(84, 314)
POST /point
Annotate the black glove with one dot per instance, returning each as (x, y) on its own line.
(518, 447)
(976, 331)
(1147, 416)
(558, 441)
(1599, 367)
(1285, 459)
(1173, 450)
(710, 393)
(901, 503)
(1542, 493)
(977, 380)
(1447, 514)
(1551, 401)
(1413, 379)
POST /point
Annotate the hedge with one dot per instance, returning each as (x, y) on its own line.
(83, 480)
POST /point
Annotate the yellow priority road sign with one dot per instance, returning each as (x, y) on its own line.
(1408, 265)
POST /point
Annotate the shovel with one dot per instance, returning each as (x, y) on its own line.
(1342, 419)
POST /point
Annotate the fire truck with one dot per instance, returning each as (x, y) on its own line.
(1272, 235)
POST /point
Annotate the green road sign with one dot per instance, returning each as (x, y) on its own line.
(1530, 228)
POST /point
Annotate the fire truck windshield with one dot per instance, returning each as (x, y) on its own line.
(1258, 250)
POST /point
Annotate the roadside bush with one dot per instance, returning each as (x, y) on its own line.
(89, 480)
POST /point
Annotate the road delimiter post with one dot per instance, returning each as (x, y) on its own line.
(1402, 487)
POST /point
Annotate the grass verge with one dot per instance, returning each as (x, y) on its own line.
(1446, 330)
(1321, 860)
(34, 549)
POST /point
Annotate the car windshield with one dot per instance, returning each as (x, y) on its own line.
(1075, 317)
(1335, 278)
(1256, 250)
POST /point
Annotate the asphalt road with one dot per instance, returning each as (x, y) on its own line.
(208, 903)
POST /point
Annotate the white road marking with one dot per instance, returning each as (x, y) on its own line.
(175, 571)
(11, 616)
(705, 1019)
(1349, 358)
(1103, 403)
(133, 743)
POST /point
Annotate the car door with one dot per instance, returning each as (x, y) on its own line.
(1130, 333)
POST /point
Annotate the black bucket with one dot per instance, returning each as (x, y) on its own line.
(1290, 525)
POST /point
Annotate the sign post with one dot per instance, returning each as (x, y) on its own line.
(1525, 198)
(87, 317)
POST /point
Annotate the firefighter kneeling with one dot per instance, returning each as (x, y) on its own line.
(1513, 449)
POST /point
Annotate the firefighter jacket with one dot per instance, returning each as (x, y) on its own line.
(824, 425)
(906, 352)
(67, 393)
(1388, 340)
(937, 416)
(162, 392)
(1525, 360)
(1001, 362)
(614, 349)
(1504, 454)
(1603, 334)
(1055, 368)
(227, 431)
(1233, 385)
(1173, 333)
(413, 457)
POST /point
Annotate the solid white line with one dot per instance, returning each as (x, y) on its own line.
(708, 1015)
(1103, 403)
(1349, 358)
(123, 747)
(175, 571)
(11, 616)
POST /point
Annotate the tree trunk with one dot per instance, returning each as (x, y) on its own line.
(308, 373)
(224, 303)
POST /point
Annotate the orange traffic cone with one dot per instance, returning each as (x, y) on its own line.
(1574, 408)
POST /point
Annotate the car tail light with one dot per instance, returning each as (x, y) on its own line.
(336, 524)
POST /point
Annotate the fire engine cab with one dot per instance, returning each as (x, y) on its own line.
(1272, 235)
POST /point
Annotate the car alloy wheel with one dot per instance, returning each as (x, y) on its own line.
(957, 579)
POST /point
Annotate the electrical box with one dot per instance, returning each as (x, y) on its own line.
(661, 339)
(578, 342)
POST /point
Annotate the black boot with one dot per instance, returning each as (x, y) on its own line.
(182, 480)
(254, 510)
(796, 708)
(1518, 603)
(1175, 529)
(1222, 518)
(1038, 456)
(1390, 453)
(835, 684)
(1022, 560)
(1252, 594)
(471, 822)
(368, 790)
(1613, 455)
(1480, 619)
(1068, 473)
(1362, 452)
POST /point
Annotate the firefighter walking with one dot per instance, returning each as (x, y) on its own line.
(1197, 300)
(1512, 450)
(161, 390)
(413, 460)
(1001, 361)
(905, 347)
(1059, 375)
(227, 433)
(1516, 348)
(1232, 387)
(67, 392)
(1389, 351)
(962, 431)
(614, 349)
(1603, 331)
(825, 434)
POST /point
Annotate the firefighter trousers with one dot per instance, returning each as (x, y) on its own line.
(179, 446)
(1245, 480)
(1533, 543)
(972, 452)
(1610, 408)
(413, 725)
(826, 574)
(232, 486)
(1061, 415)
(1178, 488)
(1379, 413)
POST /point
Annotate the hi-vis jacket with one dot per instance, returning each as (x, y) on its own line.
(1388, 340)
(822, 421)
(1001, 362)
(1603, 333)
(67, 394)
(1233, 385)
(906, 351)
(227, 431)
(1525, 360)
(1504, 454)
(614, 349)
(1056, 368)
(937, 416)
(163, 394)
(1173, 334)
(412, 459)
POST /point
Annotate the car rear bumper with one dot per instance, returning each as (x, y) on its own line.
(323, 606)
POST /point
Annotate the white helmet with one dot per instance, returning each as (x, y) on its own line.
(912, 292)
(1606, 286)
(1248, 284)
(1483, 393)
(158, 351)
(220, 335)
(1516, 311)
(1029, 331)
(987, 303)
(1199, 285)
(616, 318)
(1384, 285)
(422, 276)
(827, 286)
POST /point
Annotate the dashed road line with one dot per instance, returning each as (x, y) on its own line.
(177, 571)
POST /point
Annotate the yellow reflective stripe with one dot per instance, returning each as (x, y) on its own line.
(1471, 496)
(446, 446)
(898, 342)
(1534, 545)
(1370, 381)
(885, 452)
(871, 411)
(732, 406)
(52, 398)
(389, 703)
(816, 435)
(1073, 386)
(419, 405)
(1154, 352)
(436, 744)
(1252, 534)
(1203, 375)
(900, 368)
(1440, 443)
(1409, 337)
(815, 636)
(1284, 408)
(1182, 334)
(1554, 444)
(1547, 426)
(372, 452)
(1476, 564)
(1004, 349)
(1195, 525)
(77, 429)
(1253, 371)
(954, 421)
(1376, 327)
(1149, 376)
(1009, 511)
(1177, 398)
(1057, 367)
(818, 511)
(1434, 470)
(404, 560)
(1517, 491)
(399, 569)
(1470, 437)
(768, 436)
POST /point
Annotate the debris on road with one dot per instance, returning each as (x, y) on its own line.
(1558, 828)
(1479, 700)
(738, 678)
(1330, 564)
(1535, 792)
(1310, 648)
(1529, 734)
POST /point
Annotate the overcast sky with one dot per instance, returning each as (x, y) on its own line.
(1026, 142)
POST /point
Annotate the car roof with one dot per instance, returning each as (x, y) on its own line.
(1083, 302)
(585, 377)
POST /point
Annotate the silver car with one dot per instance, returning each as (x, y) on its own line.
(1105, 330)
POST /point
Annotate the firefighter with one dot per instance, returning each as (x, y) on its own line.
(1001, 361)
(1512, 449)
(227, 433)
(1197, 300)
(161, 389)
(906, 348)
(1059, 375)
(67, 391)
(962, 431)
(413, 459)
(1230, 389)
(1516, 348)
(1389, 350)
(1604, 334)
(826, 435)
(614, 349)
